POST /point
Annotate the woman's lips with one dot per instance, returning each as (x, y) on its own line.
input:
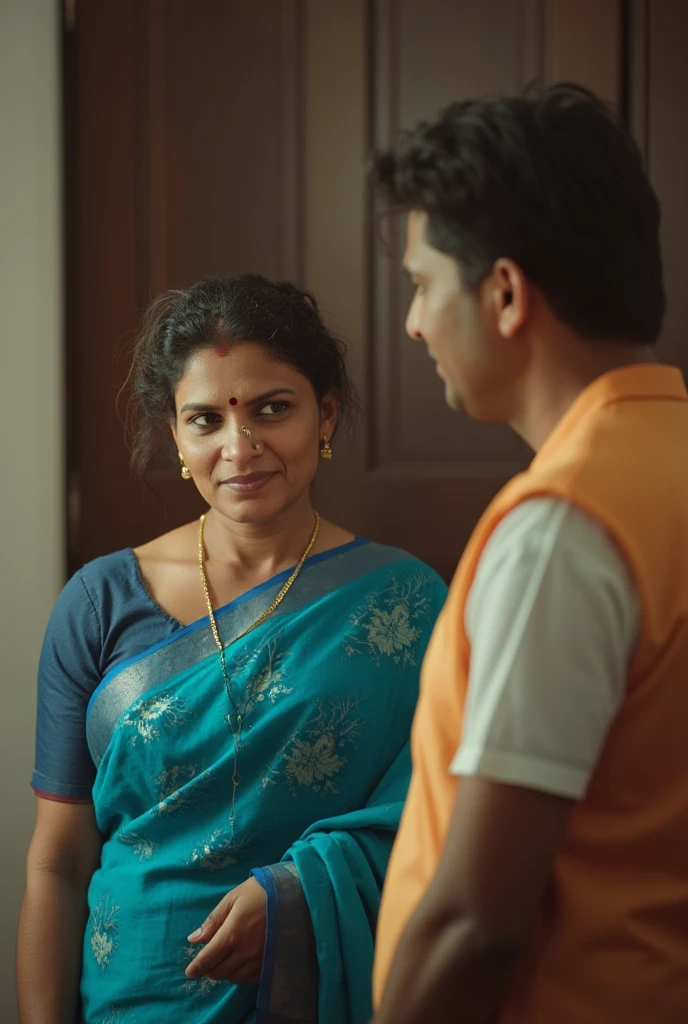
(248, 484)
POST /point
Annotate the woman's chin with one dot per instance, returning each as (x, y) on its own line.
(249, 509)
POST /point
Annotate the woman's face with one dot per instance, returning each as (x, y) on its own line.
(241, 385)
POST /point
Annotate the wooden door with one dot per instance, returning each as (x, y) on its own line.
(216, 137)
(180, 163)
(659, 99)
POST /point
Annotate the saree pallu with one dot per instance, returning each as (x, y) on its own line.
(326, 688)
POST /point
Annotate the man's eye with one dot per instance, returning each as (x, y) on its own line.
(273, 408)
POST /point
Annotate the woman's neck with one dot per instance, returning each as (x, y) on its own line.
(262, 549)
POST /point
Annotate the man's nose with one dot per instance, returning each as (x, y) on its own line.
(413, 321)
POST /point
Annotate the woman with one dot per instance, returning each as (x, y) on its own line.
(223, 716)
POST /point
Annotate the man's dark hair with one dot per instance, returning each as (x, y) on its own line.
(550, 180)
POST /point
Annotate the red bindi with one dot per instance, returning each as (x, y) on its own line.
(232, 401)
(222, 348)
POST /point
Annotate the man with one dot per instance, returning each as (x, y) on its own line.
(541, 872)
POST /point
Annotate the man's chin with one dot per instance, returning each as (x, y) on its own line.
(453, 399)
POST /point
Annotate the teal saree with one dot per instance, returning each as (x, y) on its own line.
(327, 689)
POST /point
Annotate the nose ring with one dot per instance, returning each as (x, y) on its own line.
(247, 432)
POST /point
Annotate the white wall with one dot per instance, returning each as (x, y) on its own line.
(31, 416)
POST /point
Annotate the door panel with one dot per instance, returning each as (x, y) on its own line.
(226, 136)
(182, 163)
(665, 88)
(418, 475)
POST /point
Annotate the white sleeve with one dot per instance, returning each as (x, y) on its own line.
(552, 618)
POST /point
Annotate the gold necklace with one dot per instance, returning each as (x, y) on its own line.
(236, 732)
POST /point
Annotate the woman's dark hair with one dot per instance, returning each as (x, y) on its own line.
(248, 307)
(550, 180)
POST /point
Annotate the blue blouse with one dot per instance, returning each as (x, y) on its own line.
(103, 617)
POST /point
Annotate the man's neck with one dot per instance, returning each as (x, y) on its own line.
(560, 372)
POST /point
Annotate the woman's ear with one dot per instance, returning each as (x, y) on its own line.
(173, 428)
(329, 414)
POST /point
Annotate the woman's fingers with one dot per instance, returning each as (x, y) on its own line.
(249, 974)
(214, 920)
(219, 947)
(233, 949)
(234, 966)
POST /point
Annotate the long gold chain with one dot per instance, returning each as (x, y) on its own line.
(236, 731)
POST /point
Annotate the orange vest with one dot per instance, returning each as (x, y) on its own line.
(611, 942)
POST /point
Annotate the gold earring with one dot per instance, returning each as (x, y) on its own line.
(326, 448)
(186, 472)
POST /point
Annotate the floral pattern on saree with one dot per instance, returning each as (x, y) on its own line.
(149, 716)
(142, 846)
(265, 665)
(390, 622)
(201, 987)
(103, 938)
(179, 787)
(117, 1016)
(316, 755)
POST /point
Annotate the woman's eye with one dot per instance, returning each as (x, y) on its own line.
(273, 408)
(205, 419)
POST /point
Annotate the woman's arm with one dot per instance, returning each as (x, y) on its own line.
(64, 853)
(314, 959)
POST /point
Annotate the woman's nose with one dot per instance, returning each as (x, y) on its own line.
(239, 443)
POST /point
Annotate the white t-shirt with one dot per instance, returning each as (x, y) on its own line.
(552, 617)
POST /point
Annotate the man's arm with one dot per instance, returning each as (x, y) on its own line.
(552, 618)
(64, 853)
(459, 950)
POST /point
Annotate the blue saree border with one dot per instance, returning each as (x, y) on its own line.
(193, 645)
(290, 976)
(266, 880)
(203, 623)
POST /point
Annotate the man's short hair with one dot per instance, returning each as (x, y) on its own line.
(552, 181)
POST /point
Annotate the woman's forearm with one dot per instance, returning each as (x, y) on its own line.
(51, 929)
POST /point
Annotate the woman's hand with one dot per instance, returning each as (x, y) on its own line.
(234, 934)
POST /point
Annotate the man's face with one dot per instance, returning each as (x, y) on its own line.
(453, 322)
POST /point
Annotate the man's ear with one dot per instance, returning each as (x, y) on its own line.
(510, 296)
